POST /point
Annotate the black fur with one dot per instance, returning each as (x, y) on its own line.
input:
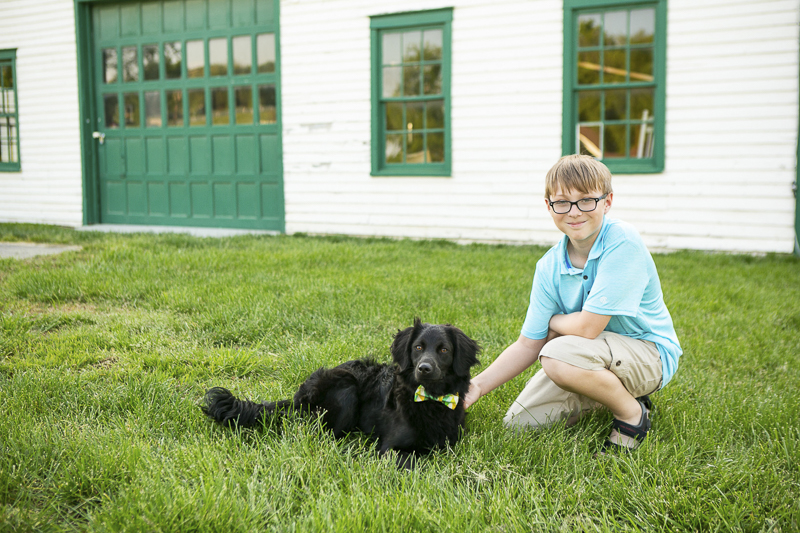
(377, 399)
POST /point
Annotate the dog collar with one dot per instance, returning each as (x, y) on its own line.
(449, 400)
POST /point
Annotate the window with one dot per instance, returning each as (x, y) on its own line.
(614, 69)
(411, 94)
(9, 129)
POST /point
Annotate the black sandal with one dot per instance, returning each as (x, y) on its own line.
(638, 432)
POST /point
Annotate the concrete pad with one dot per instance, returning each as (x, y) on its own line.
(24, 250)
(196, 232)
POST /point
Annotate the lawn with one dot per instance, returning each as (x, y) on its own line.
(105, 354)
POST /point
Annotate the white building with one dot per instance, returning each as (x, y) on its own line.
(424, 119)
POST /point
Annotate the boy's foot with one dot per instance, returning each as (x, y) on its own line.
(625, 437)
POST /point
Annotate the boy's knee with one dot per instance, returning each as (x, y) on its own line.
(557, 371)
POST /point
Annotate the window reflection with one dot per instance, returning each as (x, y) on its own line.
(110, 65)
(131, 110)
(267, 112)
(265, 47)
(219, 106)
(130, 64)
(111, 110)
(242, 55)
(218, 57)
(152, 109)
(244, 105)
(172, 60)
(174, 108)
(197, 107)
(150, 61)
(195, 59)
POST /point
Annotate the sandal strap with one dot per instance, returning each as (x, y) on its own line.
(639, 431)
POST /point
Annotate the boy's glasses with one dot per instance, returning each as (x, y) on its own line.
(562, 207)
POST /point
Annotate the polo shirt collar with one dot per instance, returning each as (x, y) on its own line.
(594, 253)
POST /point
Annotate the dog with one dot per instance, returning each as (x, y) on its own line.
(412, 406)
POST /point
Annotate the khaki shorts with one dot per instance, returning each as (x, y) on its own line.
(636, 363)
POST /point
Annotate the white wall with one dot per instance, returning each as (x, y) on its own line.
(731, 126)
(48, 189)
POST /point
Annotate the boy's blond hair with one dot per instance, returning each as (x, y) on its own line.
(581, 173)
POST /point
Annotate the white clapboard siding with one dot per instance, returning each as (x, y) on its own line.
(730, 143)
(49, 188)
(731, 128)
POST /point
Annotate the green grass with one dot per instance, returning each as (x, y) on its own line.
(105, 354)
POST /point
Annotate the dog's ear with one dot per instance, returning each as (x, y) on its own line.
(466, 351)
(401, 346)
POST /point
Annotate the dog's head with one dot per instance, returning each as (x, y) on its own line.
(438, 355)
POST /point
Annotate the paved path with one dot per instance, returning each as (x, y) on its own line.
(24, 250)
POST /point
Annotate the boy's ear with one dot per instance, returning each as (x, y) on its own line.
(401, 346)
(608, 201)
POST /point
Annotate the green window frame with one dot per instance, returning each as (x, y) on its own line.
(9, 117)
(411, 59)
(614, 82)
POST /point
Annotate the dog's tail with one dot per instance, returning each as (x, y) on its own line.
(222, 406)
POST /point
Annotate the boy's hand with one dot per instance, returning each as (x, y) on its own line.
(473, 395)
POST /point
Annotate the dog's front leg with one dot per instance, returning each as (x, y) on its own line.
(401, 438)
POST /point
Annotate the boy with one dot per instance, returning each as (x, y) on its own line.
(597, 319)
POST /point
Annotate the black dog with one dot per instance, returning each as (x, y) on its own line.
(431, 362)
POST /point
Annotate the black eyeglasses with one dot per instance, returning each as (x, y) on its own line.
(562, 207)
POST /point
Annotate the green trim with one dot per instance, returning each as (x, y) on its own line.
(11, 55)
(441, 18)
(568, 141)
(91, 202)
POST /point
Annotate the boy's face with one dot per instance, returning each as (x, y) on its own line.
(582, 227)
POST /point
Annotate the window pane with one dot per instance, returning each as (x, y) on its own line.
(130, 64)
(197, 107)
(390, 50)
(616, 105)
(643, 26)
(394, 148)
(434, 114)
(174, 108)
(589, 30)
(641, 141)
(150, 61)
(218, 57)
(110, 65)
(132, 110)
(415, 143)
(219, 106)
(411, 42)
(391, 81)
(242, 55)
(435, 148)
(615, 28)
(172, 60)
(589, 106)
(411, 85)
(642, 64)
(588, 68)
(267, 113)
(432, 79)
(111, 110)
(642, 104)
(6, 76)
(589, 141)
(195, 59)
(152, 109)
(265, 44)
(614, 70)
(614, 141)
(415, 113)
(394, 116)
(244, 105)
(8, 140)
(7, 104)
(432, 43)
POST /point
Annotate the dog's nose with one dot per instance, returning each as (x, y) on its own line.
(425, 368)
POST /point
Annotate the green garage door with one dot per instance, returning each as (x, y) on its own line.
(187, 99)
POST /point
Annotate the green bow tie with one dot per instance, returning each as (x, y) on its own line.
(449, 400)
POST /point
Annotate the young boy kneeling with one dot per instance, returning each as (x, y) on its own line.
(596, 320)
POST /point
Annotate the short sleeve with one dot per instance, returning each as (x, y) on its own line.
(542, 306)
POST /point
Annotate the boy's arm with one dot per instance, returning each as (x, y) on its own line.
(508, 365)
(583, 324)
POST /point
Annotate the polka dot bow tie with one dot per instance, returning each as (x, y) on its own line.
(449, 400)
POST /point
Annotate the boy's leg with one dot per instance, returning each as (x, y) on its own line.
(611, 370)
(543, 403)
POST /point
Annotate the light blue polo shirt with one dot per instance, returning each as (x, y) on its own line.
(619, 279)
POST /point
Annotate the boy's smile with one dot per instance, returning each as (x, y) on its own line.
(581, 227)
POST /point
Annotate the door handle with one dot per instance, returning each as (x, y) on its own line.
(99, 135)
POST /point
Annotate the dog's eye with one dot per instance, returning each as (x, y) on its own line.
(443, 350)
(418, 348)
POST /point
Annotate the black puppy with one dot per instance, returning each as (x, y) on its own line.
(412, 406)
